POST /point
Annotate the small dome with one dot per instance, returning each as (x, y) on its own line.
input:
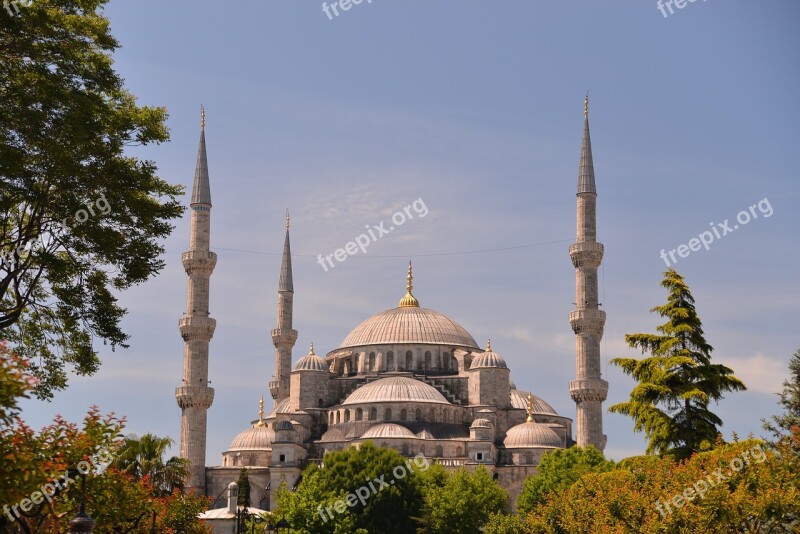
(284, 425)
(312, 362)
(481, 423)
(511, 384)
(531, 435)
(424, 434)
(388, 430)
(334, 434)
(257, 438)
(395, 389)
(283, 406)
(488, 359)
(519, 400)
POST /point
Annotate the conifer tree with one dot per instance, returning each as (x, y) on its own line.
(676, 383)
(780, 425)
(244, 489)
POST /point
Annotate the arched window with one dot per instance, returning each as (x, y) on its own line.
(355, 364)
(359, 414)
(330, 417)
(338, 417)
(446, 360)
(390, 361)
(403, 414)
(409, 360)
(371, 361)
(387, 415)
(418, 415)
(458, 452)
(373, 414)
(432, 415)
(347, 415)
(427, 360)
(439, 451)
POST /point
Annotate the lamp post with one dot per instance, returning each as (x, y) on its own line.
(82, 523)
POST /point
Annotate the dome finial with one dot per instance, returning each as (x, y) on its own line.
(261, 412)
(530, 409)
(312, 348)
(489, 345)
(409, 301)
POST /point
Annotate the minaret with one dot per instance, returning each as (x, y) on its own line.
(196, 326)
(588, 390)
(283, 337)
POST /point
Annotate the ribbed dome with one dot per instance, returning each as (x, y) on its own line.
(519, 400)
(409, 325)
(284, 425)
(334, 434)
(388, 430)
(283, 406)
(257, 438)
(311, 362)
(531, 435)
(481, 423)
(395, 389)
(488, 359)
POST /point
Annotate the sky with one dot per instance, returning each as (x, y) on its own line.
(475, 111)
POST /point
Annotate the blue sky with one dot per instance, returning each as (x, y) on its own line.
(476, 108)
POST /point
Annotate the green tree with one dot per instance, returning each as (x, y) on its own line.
(144, 457)
(80, 218)
(391, 507)
(500, 523)
(780, 425)
(559, 470)
(464, 504)
(244, 489)
(678, 381)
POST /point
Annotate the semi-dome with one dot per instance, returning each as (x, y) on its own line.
(284, 425)
(530, 435)
(395, 389)
(311, 362)
(256, 438)
(481, 423)
(334, 434)
(488, 359)
(388, 430)
(519, 400)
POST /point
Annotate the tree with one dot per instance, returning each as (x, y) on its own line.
(244, 489)
(500, 523)
(80, 219)
(386, 481)
(144, 457)
(678, 381)
(559, 470)
(464, 504)
(780, 425)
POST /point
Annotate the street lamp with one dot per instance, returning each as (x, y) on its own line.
(283, 526)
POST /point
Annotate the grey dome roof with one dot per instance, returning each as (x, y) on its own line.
(334, 434)
(388, 430)
(409, 325)
(519, 400)
(257, 438)
(311, 362)
(283, 406)
(481, 423)
(488, 359)
(395, 389)
(531, 435)
(284, 425)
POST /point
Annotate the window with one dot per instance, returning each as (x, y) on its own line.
(439, 451)
(373, 414)
(403, 414)
(359, 414)
(427, 360)
(432, 415)
(479, 456)
(390, 361)
(347, 415)
(387, 415)
(418, 415)
(409, 360)
(283, 458)
(371, 361)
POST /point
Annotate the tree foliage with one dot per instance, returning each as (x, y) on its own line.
(144, 458)
(781, 425)
(464, 503)
(759, 492)
(558, 471)
(80, 219)
(678, 381)
(244, 489)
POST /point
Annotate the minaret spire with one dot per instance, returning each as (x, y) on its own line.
(284, 336)
(194, 397)
(409, 301)
(588, 390)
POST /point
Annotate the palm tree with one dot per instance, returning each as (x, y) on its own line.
(144, 457)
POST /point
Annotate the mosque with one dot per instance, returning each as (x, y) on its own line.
(409, 378)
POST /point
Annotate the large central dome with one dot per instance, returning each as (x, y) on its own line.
(409, 325)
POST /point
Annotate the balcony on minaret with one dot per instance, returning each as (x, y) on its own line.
(587, 320)
(197, 327)
(586, 253)
(194, 396)
(283, 337)
(199, 262)
(588, 389)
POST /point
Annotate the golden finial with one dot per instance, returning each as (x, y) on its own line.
(530, 409)
(288, 220)
(202, 117)
(586, 105)
(409, 301)
(312, 349)
(489, 345)
(260, 412)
